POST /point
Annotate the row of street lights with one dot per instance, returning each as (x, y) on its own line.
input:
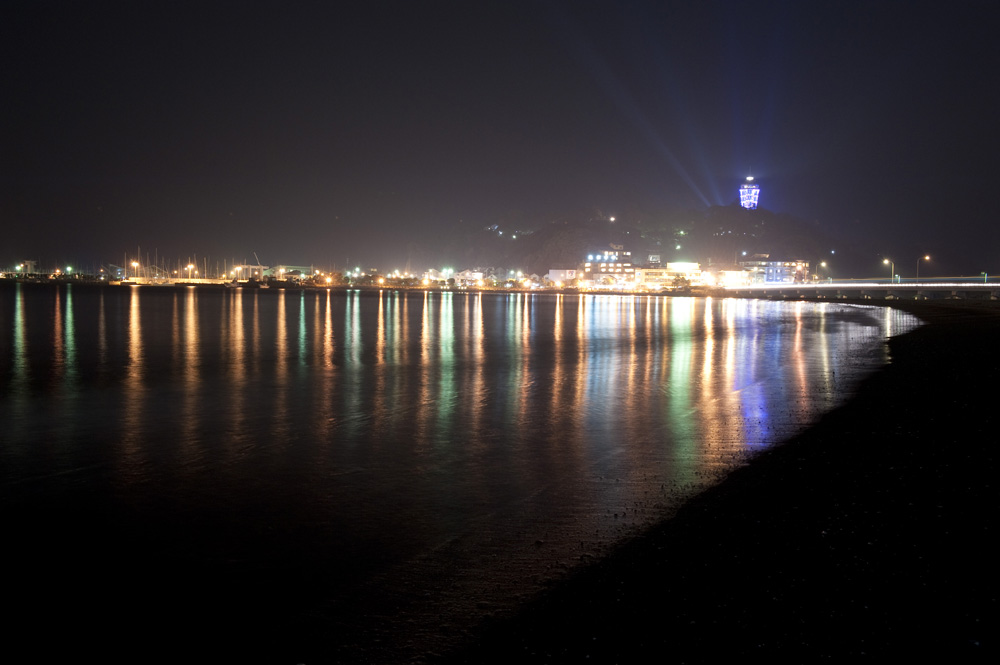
(135, 269)
(892, 267)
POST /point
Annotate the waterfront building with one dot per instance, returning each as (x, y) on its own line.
(433, 275)
(294, 273)
(732, 278)
(655, 278)
(469, 278)
(608, 269)
(561, 276)
(248, 271)
(764, 271)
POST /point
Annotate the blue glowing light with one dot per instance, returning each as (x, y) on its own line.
(749, 193)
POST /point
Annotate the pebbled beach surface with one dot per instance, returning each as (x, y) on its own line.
(869, 536)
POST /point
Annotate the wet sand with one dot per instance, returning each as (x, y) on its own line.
(868, 536)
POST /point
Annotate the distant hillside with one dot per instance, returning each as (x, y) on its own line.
(714, 236)
(721, 235)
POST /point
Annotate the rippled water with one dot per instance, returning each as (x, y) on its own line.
(384, 468)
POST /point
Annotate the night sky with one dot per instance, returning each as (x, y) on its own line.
(327, 133)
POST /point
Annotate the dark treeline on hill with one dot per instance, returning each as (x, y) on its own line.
(717, 236)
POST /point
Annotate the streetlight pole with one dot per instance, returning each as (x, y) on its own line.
(922, 258)
(892, 270)
(822, 264)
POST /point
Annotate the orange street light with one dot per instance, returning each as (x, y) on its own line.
(922, 258)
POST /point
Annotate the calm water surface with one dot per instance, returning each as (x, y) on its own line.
(380, 469)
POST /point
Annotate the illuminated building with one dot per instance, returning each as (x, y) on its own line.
(772, 272)
(749, 193)
(469, 277)
(293, 273)
(655, 278)
(609, 268)
(560, 275)
(732, 278)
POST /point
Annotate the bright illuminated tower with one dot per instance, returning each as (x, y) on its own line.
(749, 192)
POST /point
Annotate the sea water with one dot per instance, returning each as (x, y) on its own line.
(373, 473)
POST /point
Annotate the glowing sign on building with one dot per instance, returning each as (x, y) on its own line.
(749, 192)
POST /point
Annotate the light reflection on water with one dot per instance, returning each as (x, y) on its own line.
(466, 447)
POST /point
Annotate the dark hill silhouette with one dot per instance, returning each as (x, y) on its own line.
(716, 236)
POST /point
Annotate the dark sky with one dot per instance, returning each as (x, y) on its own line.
(321, 132)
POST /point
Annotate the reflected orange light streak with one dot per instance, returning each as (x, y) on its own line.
(478, 397)
(133, 414)
(328, 337)
(318, 334)
(255, 336)
(425, 389)
(236, 342)
(189, 360)
(380, 344)
(279, 426)
(58, 351)
(798, 355)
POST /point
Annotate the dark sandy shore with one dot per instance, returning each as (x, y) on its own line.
(867, 537)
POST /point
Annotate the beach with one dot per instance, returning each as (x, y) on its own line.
(870, 535)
